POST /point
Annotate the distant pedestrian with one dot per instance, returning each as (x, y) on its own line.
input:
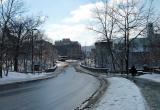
(133, 71)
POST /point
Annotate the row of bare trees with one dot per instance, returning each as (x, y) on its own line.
(126, 20)
(16, 27)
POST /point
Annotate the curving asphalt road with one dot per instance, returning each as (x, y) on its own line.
(151, 92)
(65, 92)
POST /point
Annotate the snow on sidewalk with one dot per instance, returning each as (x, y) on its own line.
(153, 77)
(122, 94)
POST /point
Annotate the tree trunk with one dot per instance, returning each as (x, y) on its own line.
(16, 58)
(127, 55)
(1, 72)
(112, 56)
(16, 63)
(127, 63)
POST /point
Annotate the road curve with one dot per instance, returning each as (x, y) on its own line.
(65, 92)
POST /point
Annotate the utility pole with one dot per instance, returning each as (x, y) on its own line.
(85, 56)
(32, 53)
(32, 65)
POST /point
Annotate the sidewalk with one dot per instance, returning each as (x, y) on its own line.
(15, 77)
(122, 94)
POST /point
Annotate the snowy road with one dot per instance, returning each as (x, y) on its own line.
(151, 91)
(65, 92)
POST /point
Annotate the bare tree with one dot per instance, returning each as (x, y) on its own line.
(22, 29)
(8, 10)
(132, 17)
(105, 26)
(127, 19)
(16, 27)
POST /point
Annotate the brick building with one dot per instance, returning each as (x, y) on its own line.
(71, 49)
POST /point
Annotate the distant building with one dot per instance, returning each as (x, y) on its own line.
(139, 52)
(44, 55)
(143, 51)
(154, 45)
(150, 30)
(71, 49)
(102, 54)
(146, 51)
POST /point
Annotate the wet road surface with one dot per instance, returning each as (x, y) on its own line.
(151, 92)
(65, 92)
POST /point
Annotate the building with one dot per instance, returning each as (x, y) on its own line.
(102, 54)
(45, 53)
(142, 51)
(146, 50)
(44, 56)
(71, 49)
(153, 45)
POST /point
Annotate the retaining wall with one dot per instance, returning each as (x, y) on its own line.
(92, 69)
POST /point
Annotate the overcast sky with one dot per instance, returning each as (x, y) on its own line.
(67, 18)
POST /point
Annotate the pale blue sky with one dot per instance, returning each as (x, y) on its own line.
(66, 17)
(56, 10)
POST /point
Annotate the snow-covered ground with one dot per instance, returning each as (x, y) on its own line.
(122, 94)
(71, 61)
(153, 77)
(61, 64)
(20, 77)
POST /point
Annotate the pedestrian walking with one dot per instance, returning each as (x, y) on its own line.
(133, 71)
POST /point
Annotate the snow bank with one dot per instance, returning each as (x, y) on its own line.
(153, 77)
(18, 77)
(121, 94)
(21, 77)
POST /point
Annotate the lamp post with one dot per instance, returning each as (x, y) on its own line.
(32, 65)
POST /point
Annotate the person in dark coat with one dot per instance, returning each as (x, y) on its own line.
(133, 71)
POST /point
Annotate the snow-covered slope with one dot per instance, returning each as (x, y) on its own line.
(14, 77)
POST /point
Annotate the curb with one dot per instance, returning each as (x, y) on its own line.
(95, 97)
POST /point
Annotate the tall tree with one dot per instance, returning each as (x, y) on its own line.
(125, 18)
(22, 29)
(105, 26)
(8, 10)
(132, 16)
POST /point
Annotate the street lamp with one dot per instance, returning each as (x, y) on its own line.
(32, 65)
